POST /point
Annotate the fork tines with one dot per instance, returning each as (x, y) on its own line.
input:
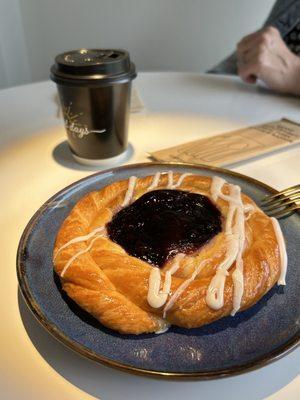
(282, 203)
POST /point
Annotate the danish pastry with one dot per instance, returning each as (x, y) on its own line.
(169, 249)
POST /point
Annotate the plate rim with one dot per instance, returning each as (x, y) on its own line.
(51, 328)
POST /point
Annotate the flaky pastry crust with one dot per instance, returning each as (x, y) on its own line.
(112, 286)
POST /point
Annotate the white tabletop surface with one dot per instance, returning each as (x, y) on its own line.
(34, 164)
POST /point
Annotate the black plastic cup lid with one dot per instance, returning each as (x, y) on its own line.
(92, 67)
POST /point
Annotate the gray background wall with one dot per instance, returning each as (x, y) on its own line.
(186, 35)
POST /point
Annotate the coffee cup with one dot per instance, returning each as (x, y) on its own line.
(94, 88)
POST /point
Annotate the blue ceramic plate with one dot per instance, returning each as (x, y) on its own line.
(231, 345)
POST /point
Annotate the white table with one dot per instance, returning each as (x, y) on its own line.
(34, 165)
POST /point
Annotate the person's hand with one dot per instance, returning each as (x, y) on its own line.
(264, 55)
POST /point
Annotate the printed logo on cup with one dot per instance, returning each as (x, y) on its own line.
(74, 127)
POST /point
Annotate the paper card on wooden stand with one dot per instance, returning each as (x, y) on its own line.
(235, 146)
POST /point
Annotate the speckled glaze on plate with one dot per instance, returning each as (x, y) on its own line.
(232, 345)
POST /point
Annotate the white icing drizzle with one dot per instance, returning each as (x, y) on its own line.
(156, 297)
(216, 186)
(80, 239)
(180, 180)
(282, 251)
(229, 198)
(249, 208)
(170, 180)
(176, 263)
(237, 275)
(235, 236)
(182, 287)
(155, 181)
(238, 286)
(79, 254)
(170, 184)
(164, 328)
(230, 212)
(215, 291)
(130, 190)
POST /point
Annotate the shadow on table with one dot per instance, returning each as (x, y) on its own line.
(63, 156)
(106, 383)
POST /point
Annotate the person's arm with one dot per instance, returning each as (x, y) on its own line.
(264, 55)
(283, 16)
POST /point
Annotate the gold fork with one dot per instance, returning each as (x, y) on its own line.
(283, 203)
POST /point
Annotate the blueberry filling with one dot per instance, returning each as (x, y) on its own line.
(163, 223)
